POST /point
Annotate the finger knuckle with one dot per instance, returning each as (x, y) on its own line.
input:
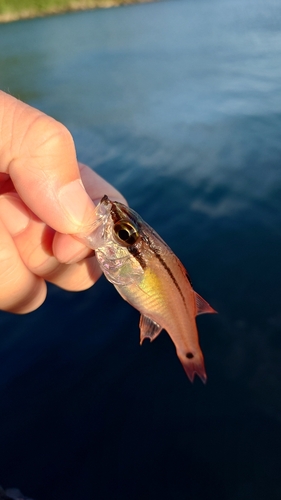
(47, 136)
(57, 137)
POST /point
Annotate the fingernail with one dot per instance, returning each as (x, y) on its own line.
(76, 204)
(15, 216)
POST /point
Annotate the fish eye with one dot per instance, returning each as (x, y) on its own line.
(126, 232)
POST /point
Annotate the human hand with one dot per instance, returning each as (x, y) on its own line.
(42, 203)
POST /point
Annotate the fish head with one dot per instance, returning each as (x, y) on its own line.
(123, 225)
(116, 239)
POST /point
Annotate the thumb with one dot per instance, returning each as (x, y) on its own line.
(41, 161)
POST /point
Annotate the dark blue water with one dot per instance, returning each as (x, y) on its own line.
(178, 104)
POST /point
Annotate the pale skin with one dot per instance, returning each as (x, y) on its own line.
(45, 198)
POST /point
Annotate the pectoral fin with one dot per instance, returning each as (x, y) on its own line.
(148, 328)
(202, 306)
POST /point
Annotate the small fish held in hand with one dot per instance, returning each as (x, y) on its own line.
(149, 276)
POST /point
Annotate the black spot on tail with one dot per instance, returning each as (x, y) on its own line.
(189, 355)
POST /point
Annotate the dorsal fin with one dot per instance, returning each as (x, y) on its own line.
(202, 306)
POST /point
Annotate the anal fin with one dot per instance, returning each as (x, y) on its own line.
(149, 329)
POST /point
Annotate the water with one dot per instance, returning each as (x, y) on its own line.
(179, 105)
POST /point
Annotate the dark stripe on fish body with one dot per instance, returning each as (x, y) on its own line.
(182, 268)
(114, 213)
(157, 254)
(135, 252)
(116, 216)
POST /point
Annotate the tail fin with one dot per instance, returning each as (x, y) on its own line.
(193, 364)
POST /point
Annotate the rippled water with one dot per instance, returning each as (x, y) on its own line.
(177, 103)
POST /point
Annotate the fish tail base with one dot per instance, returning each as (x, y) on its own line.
(193, 365)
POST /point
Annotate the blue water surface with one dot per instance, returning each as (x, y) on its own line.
(178, 104)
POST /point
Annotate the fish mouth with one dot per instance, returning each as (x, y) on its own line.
(105, 200)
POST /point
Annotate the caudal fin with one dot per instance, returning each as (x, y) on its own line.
(193, 364)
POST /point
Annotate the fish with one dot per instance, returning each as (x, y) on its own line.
(149, 276)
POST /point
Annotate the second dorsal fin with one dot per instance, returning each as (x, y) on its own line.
(202, 307)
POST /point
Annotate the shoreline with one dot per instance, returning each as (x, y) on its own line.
(73, 6)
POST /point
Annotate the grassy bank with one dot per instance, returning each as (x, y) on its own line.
(11, 10)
